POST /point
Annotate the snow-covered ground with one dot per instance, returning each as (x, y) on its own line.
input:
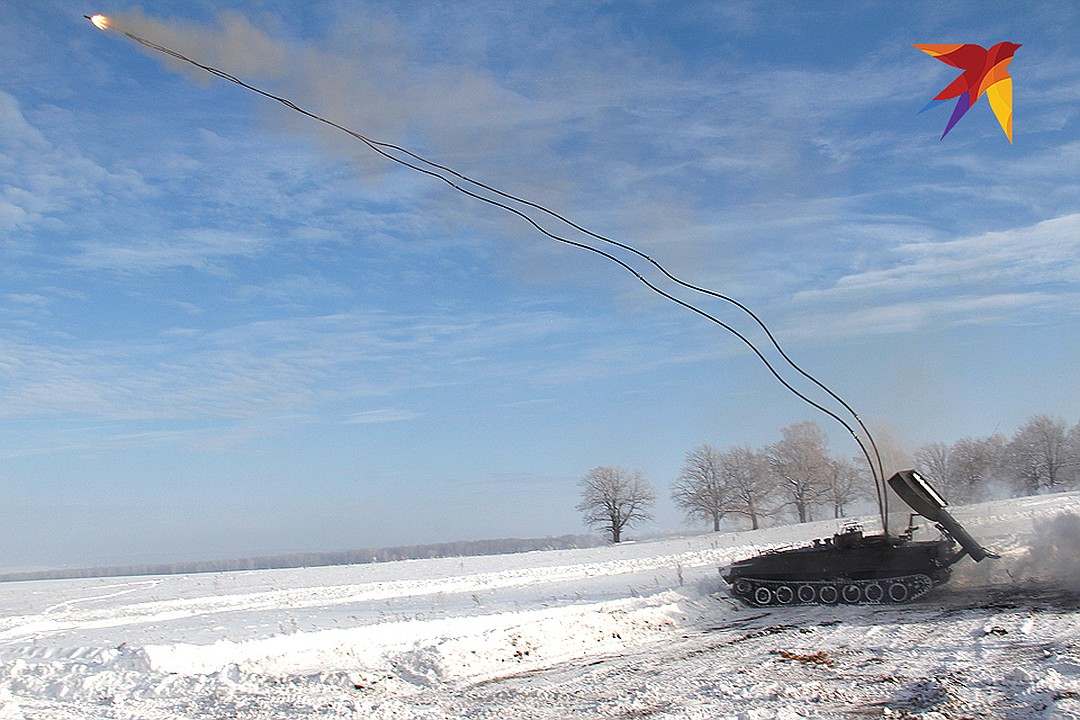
(630, 631)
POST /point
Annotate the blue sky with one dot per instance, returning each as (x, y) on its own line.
(227, 331)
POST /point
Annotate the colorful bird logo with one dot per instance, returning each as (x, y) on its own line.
(984, 72)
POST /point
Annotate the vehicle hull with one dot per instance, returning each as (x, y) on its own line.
(848, 568)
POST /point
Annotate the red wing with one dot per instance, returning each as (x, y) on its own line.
(970, 58)
(966, 57)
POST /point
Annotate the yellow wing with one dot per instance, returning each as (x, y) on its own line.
(1000, 96)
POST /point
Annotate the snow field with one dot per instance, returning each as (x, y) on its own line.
(636, 630)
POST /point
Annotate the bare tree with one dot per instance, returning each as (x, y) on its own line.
(701, 489)
(750, 490)
(614, 499)
(844, 484)
(934, 461)
(976, 464)
(1038, 455)
(799, 463)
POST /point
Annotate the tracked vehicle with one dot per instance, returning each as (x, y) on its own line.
(854, 568)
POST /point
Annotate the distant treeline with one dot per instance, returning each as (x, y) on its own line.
(462, 548)
(797, 478)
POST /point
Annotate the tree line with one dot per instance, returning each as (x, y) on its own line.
(461, 548)
(797, 479)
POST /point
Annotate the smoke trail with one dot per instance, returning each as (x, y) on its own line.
(524, 210)
(395, 101)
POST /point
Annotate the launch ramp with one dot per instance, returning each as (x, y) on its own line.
(923, 499)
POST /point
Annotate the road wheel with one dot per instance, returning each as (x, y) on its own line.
(898, 592)
(873, 592)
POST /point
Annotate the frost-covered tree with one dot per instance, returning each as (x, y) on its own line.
(844, 484)
(702, 490)
(934, 462)
(799, 463)
(614, 499)
(751, 492)
(733, 482)
(1038, 455)
(976, 466)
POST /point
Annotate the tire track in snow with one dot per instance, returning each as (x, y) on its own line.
(131, 587)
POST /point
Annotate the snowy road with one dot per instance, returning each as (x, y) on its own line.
(632, 631)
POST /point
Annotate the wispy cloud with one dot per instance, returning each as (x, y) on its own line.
(380, 416)
(199, 248)
(857, 320)
(270, 367)
(994, 277)
(1046, 252)
(51, 180)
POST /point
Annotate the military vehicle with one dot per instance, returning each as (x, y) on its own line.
(854, 568)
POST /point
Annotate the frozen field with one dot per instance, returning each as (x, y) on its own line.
(642, 630)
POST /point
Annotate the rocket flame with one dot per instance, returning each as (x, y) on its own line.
(100, 21)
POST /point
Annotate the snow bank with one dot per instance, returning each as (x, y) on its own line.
(431, 651)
